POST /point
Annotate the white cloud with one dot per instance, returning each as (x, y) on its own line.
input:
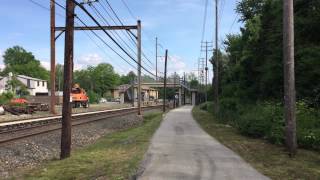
(84, 61)
(176, 64)
(45, 64)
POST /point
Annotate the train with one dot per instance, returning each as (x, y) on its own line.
(79, 97)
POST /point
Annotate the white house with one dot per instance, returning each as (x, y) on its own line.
(3, 84)
(35, 86)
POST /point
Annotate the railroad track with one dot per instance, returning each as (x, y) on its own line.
(21, 129)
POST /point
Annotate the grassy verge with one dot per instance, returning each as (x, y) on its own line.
(269, 159)
(115, 156)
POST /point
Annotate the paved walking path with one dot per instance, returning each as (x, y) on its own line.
(180, 149)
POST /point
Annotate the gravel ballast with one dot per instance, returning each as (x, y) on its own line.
(30, 152)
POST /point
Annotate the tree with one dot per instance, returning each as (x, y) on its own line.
(18, 88)
(59, 77)
(99, 79)
(192, 79)
(127, 79)
(147, 79)
(18, 61)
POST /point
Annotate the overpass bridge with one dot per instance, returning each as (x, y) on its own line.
(186, 94)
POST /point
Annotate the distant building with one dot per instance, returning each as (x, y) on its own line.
(35, 86)
(3, 84)
(124, 93)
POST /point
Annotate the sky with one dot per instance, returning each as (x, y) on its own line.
(178, 25)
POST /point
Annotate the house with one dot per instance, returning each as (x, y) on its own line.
(35, 86)
(125, 93)
(3, 84)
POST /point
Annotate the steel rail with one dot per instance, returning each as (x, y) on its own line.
(22, 129)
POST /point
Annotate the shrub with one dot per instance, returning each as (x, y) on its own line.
(308, 126)
(253, 121)
(94, 98)
(266, 120)
(5, 98)
(229, 108)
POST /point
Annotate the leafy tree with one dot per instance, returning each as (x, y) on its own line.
(18, 88)
(254, 69)
(127, 79)
(98, 80)
(147, 79)
(19, 61)
(59, 77)
(193, 81)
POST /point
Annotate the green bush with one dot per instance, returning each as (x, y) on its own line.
(229, 110)
(308, 126)
(5, 98)
(266, 120)
(253, 121)
(94, 98)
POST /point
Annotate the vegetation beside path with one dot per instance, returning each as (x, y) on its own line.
(271, 160)
(115, 156)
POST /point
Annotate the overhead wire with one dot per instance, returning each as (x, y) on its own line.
(58, 4)
(149, 37)
(130, 36)
(127, 34)
(97, 23)
(115, 33)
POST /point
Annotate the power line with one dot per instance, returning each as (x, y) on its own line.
(106, 43)
(204, 20)
(233, 23)
(40, 5)
(112, 32)
(47, 8)
(134, 18)
(127, 34)
(90, 15)
(129, 10)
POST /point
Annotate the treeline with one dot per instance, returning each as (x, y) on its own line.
(19, 61)
(99, 80)
(251, 74)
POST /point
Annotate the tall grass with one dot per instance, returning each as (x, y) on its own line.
(265, 120)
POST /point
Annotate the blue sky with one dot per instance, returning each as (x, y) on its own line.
(177, 24)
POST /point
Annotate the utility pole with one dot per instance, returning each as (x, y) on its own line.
(184, 89)
(206, 68)
(206, 47)
(139, 66)
(156, 58)
(165, 81)
(174, 87)
(53, 57)
(202, 76)
(216, 68)
(289, 76)
(68, 68)
(132, 92)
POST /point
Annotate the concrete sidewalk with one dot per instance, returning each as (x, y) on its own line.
(180, 149)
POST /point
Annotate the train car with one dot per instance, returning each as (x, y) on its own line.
(79, 97)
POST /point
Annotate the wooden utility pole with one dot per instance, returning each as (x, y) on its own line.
(184, 89)
(174, 87)
(156, 59)
(205, 48)
(216, 67)
(53, 57)
(289, 76)
(165, 81)
(68, 72)
(132, 92)
(206, 69)
(139, 66)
